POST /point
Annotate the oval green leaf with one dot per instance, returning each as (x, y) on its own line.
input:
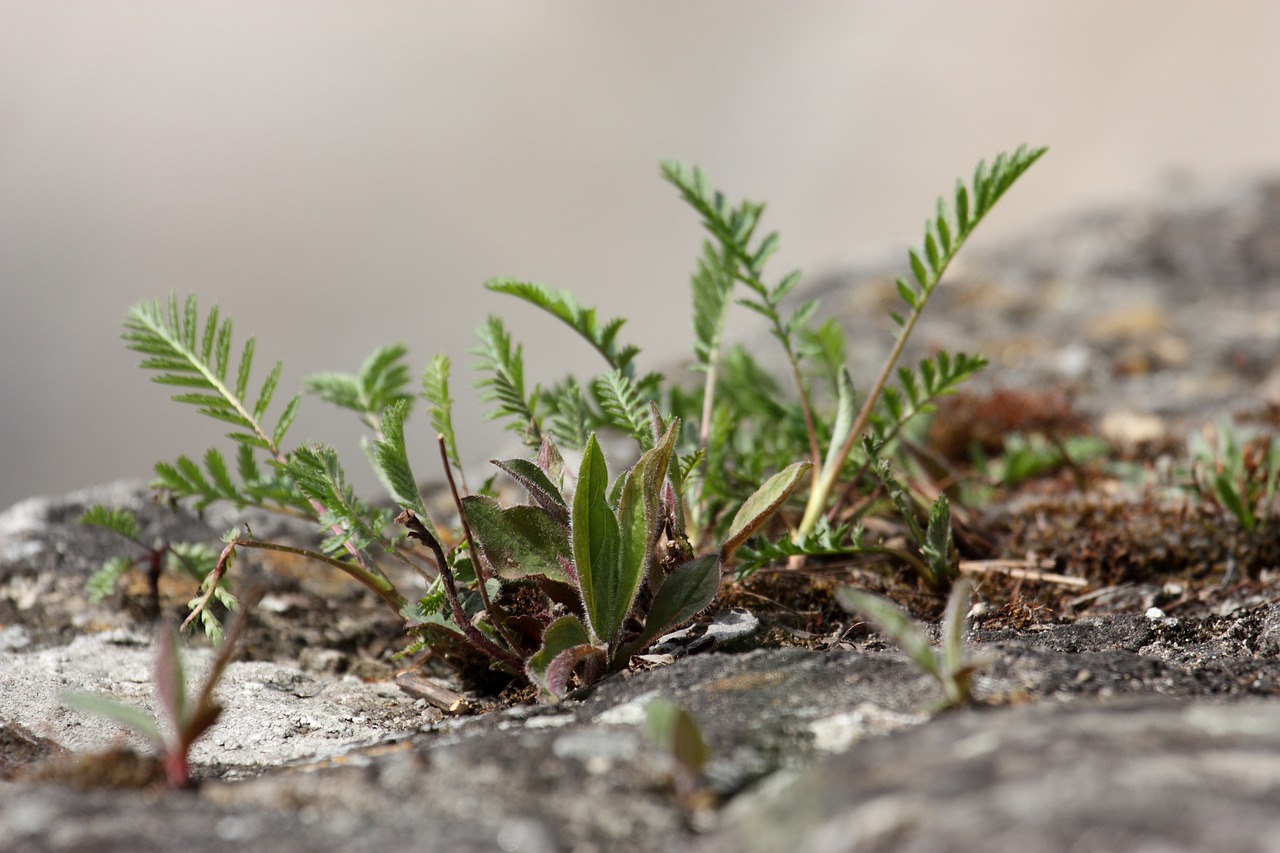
(762, 504)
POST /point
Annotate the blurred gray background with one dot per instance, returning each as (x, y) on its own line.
(341, 175)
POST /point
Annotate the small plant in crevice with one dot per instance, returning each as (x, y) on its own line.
(194, 559)
(678, 735)
(594, 567)
(186, 716)
(947, 664)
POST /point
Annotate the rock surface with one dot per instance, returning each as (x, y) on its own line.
(1129, 732)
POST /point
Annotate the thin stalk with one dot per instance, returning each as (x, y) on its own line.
(419, 531)
(375, 581)
(477, 557)
(826, 482)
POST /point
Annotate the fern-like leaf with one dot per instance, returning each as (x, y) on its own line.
(947, 232)
(120, 521)
(381, 382)
(392, 460)
(561, 303)
(570, 416)
(711, 286)
(917, 391)
(822, 542)
(103, 582)
(171, 341)
(318, 474)
(624, 406)
(435, 390)
(503, 384)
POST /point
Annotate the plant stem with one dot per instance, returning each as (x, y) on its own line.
(375, 581)
(480, 642)
(477, 558)
(822, 488)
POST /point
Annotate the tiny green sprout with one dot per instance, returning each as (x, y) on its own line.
(186, 717)
(676, 732)
(947, 664)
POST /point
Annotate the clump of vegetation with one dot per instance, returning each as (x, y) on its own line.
(596, 565)
(1236, 474)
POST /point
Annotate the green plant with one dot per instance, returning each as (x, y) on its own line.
(595, 555)
(540, 591)
(194, 559)
(186, 717)
(947, 664)
(1237, 474)
(747, 423)
(592, 569)
(677, 733)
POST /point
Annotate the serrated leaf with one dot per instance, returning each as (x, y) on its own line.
(763, 503)
(518, 541)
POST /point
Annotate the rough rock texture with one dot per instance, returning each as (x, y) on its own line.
(1129, 732)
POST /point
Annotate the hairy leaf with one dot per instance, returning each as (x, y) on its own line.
(539, 486)
(763, 503)
(518, 541)
(596, 547)
(687, 591)
(639, 521)
(563, 634)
